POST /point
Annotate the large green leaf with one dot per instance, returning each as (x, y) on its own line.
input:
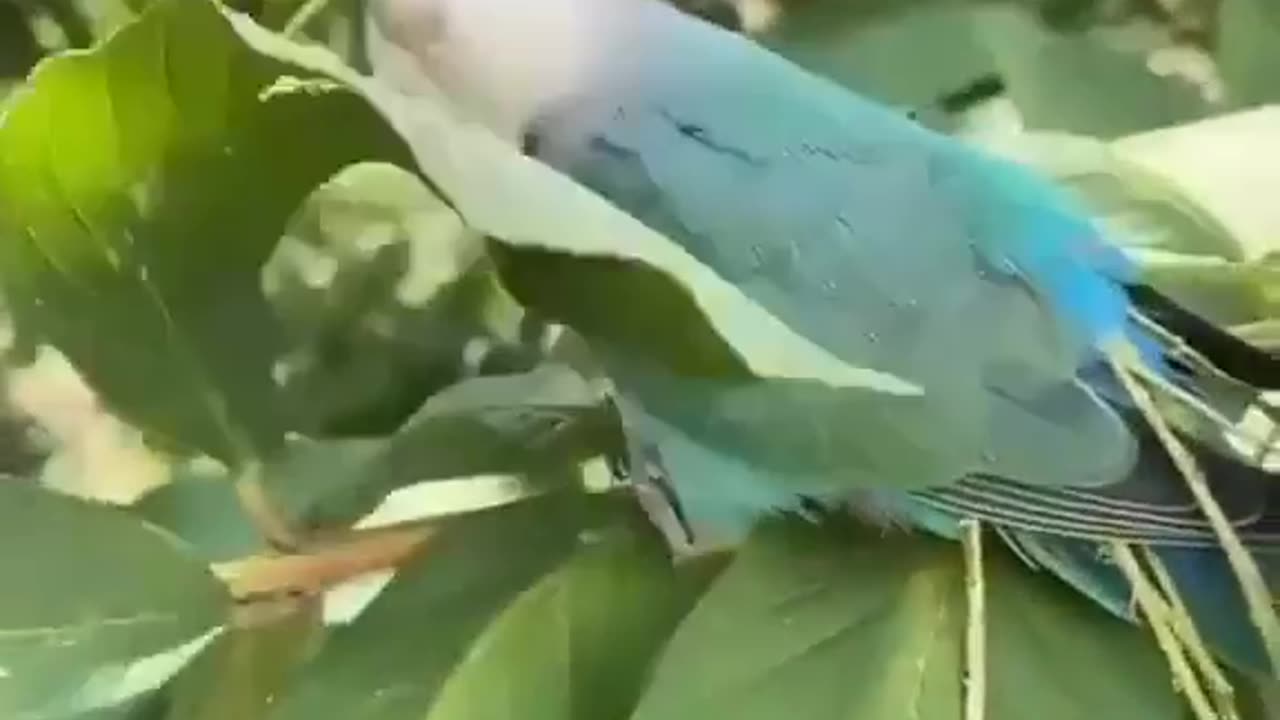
(98, 608)
(142, 186)
(813, 623)
(580, 643)
(393, 660)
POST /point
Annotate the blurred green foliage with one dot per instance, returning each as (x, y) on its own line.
(407, 351)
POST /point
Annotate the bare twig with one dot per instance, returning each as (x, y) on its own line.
(1157, 613)
(975, 647)
(1242, 563)
(1185, 630)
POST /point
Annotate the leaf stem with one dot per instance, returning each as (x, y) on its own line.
(975, 627)
(1254, 587)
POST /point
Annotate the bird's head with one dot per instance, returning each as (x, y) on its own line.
(501, 61)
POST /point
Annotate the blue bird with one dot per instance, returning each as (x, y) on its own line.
(892, 246)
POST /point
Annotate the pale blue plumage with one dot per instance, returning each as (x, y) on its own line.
(907, 251)
(893, 247)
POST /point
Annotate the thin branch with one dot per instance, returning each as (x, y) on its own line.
(1254, 587)
(1184, 628)
(975, 648)
(300, 19)
(266, 517)
(1156, 611)
(323, 567)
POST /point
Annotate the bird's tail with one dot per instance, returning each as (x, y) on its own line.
(1208, 430)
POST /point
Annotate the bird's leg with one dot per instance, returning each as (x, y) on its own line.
(652, 486)
(657, 498)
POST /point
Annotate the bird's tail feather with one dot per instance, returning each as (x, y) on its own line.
(1217, 382)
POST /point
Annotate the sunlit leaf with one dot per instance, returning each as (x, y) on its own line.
(142, 186)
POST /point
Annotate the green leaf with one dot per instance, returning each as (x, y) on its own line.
(1248, 50)
(537, 426)
(99, 608)
(813, 623)
(142, 186)
(383, 293)
(1225, 165)
(200, 506)
(1186, 249)
(19, 48)
(580, 643)
(1190, 201)
(1080, 82)
(240, 675)
(1145, 209)
(876, 48)
(393, 660)
(914, 54)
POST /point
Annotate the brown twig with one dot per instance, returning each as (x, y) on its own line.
(321, 567)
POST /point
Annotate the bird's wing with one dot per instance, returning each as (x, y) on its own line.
(871, 236)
